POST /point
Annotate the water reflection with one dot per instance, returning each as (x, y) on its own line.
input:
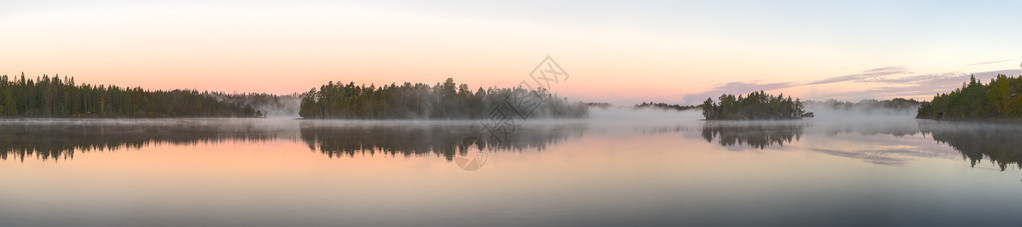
(754, 134)
(445, 140)
(59, 139)
(592, 173)
(896, 128)
(872, 142)
(1002, 144)
(466, 143)
(878, 142)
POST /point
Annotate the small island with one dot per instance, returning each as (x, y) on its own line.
(997, 100)
(755, 106)
(446, 100)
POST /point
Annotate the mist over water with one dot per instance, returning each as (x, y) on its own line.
(287, 108)
(273, 106)
(827, 120)
(860, 112)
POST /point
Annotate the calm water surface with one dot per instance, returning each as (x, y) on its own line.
(606, 171)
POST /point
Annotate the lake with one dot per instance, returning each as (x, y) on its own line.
(618, 168)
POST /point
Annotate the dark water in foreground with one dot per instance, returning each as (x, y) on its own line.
(266, 172)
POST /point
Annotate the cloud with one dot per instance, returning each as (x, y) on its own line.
(988, 62)
(882, 86)
(865, 75)
(744, 88)
(920, 85)
(918, 78)
(735, 88)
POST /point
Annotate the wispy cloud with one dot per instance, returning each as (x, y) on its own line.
(918, 78)
(865, 75)
(988, 62)
(735, 88)
(883, 84)
(920, 85)
(744, 87)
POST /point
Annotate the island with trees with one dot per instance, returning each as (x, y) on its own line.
(754, 106)
(55, 97)
(445, 100)
(998, 100)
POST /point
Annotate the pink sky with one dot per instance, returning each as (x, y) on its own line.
(611, 56)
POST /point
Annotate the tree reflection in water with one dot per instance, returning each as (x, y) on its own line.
(443, 140)
(757, 134)
(60, 139)
(1001, 143)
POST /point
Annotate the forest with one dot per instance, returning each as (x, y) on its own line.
(445, 100)
(754, 106)
(998, 99)
(56, 97)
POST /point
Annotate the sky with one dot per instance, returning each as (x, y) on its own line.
(622, 52)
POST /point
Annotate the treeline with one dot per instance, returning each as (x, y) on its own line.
(755, 106)
(445, 100)
(998, 99)
(665, 106)
(56, 97)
